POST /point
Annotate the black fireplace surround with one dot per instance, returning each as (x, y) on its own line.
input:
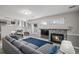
(57, 38)
(44, 32)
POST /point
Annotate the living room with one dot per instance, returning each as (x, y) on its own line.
(54, 24)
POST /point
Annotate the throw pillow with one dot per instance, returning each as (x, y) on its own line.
(53, 50)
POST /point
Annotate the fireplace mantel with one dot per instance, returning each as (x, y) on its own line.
(55, 27)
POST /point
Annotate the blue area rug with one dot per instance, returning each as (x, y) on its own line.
(35, 41)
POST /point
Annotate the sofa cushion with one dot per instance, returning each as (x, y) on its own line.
(29, 50)
(17, 43)
(10, 48)
(44, 48)
(23, 42)
(33, 46)
(9, 39)
(37, 52)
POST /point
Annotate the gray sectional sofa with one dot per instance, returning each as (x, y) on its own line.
(13, 46)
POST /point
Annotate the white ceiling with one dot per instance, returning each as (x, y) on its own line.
(37, 10)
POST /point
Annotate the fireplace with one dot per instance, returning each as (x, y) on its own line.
(57, 38)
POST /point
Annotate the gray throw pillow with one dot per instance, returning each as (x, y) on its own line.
(53, 50)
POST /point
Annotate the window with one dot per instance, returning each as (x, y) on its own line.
(35, 25)
(24, 24)
(57, 21)
(12, 22)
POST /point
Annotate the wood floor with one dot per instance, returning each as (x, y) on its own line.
(1, 51)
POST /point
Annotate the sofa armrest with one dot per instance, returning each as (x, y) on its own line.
(9, 48)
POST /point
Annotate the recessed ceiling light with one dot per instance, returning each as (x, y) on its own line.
(44, 23)
(26, 12)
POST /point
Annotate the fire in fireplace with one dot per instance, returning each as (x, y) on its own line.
(57, 38)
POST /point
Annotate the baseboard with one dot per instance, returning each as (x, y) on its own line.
(76, 47)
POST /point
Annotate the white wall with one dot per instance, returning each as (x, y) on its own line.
(6, 29)
(71, 20)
